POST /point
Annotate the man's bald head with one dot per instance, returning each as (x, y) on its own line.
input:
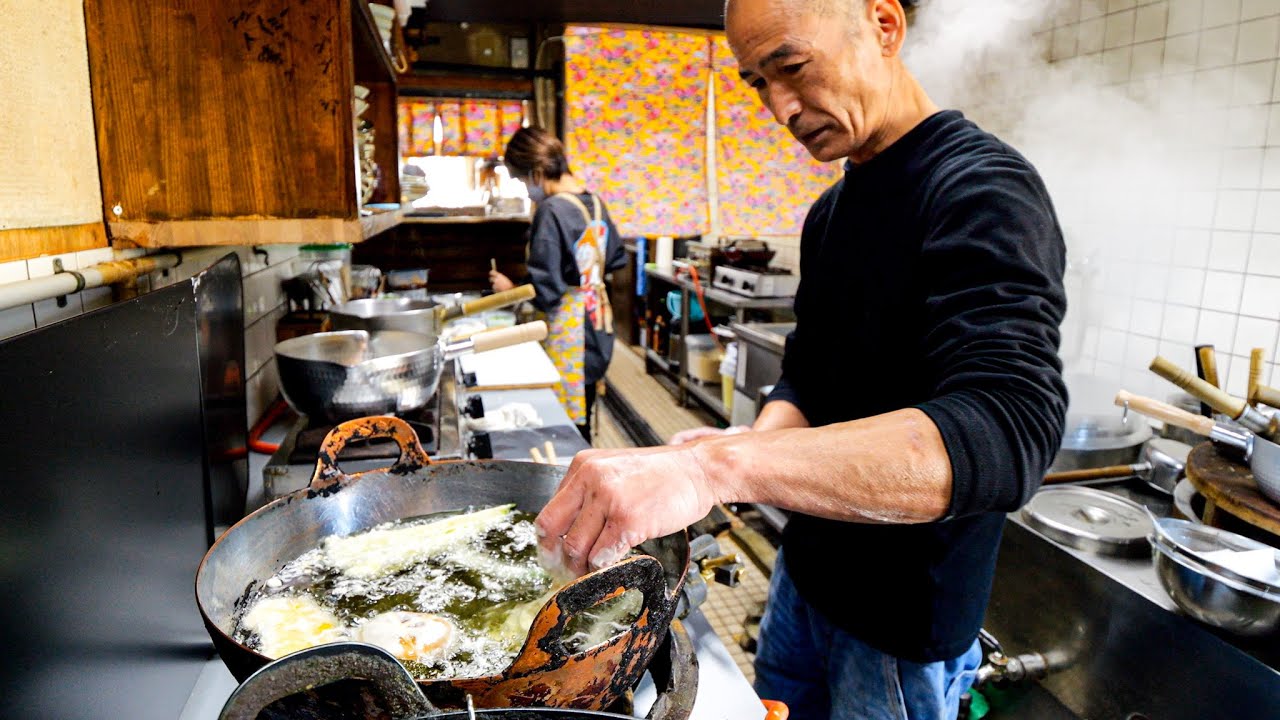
(842, 9)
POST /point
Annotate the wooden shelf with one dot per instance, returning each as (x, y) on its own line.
(270, 231)
(380, 222)
(372, 61)
(662, 363)
(464, 219)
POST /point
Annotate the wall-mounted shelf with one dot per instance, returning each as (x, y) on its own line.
(372, 60)
(268, 231)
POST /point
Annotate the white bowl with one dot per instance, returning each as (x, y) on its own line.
(362, 92)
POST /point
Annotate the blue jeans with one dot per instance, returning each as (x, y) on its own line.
(822, 672)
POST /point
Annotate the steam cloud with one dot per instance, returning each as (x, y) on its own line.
(1129, 157)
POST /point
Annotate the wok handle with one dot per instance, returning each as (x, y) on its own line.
(396, 693)
(1208, 364)
(1256, 360)
(545, 645)
(1266, 395)
(1166, 413)
(497, 300)
(412, 456)
(1102, 473)
(1217, 399)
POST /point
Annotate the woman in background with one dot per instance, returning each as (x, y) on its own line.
(573, 244)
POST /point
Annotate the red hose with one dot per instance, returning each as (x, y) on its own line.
(706, 314)
(273, 413)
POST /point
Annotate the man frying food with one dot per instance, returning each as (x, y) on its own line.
(921, 395)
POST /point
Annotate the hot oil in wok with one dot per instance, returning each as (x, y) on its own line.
(488, 585)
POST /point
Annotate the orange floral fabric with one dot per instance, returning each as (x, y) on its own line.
(765, 179)
(478, 128)
(636, 125)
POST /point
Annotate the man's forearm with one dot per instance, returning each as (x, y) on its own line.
(889, 468)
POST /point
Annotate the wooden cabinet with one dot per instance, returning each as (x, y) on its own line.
(232, 121)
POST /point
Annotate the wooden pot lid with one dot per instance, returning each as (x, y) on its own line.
(1230, 488)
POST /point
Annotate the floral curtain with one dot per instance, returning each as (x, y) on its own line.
(471, 127)
(765, 179)
(636, 125)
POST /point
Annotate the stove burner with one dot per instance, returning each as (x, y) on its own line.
(425, 423)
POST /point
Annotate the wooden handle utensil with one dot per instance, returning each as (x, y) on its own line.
(1255, 372)
(1102, 473)
(1201, 389)
(497, 300)
(493, 339)
(1266, 395)
(1165, 413)
(1208, 364)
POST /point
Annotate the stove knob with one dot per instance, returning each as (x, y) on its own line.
(475, 407)
(469, 379)
(480, 446)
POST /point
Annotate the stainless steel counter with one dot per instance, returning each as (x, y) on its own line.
(1125, 646)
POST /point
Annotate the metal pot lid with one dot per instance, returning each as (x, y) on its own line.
(1089, 519)
(1105, 432)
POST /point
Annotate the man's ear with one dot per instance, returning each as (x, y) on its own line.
(890, 22)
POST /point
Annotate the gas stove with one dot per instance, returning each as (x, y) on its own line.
(438, 425)
(756, 282)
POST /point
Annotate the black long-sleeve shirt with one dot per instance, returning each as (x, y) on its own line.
(931, 277)
(557, 225)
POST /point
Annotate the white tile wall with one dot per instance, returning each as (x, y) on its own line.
(1190, 253)
(264, 300)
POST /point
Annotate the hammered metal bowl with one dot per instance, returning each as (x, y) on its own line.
(337, 376)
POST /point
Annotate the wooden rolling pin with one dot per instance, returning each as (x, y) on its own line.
(1229, 405)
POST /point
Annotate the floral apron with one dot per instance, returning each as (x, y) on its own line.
(566, 334)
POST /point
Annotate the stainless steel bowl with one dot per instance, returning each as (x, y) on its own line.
(1208, 592)
(415, 316)
(353, 373)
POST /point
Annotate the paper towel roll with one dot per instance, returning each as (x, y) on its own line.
(665, 252)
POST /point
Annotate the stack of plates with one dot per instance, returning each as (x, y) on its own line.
(385, 17)
(362, 103)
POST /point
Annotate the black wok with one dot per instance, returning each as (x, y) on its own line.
(543, 673)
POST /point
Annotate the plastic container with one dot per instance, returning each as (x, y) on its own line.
(365, 281)
(331, 265)
(703, 358)
(728, 371)
(673, 307)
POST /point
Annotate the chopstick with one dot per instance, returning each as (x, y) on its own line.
(549, 459)
(493, 265)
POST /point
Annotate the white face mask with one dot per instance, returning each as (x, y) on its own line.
(536, 193)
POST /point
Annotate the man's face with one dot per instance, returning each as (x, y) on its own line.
(825, 78)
